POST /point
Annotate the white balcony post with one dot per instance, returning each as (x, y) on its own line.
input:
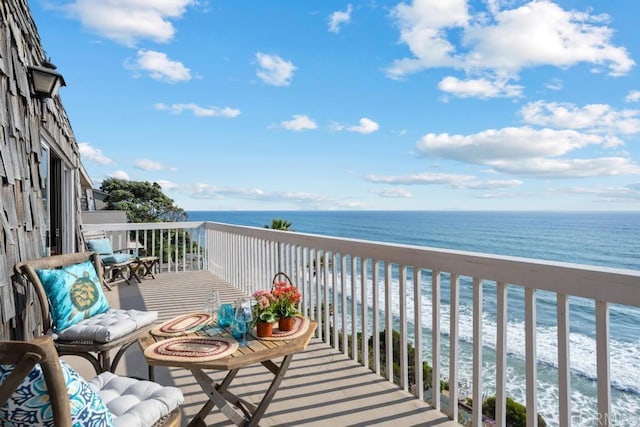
(435, 339)
(417, 334)
(531, 356)
(602, 355)
(564, 365)
(477, 352)
(453, 348)
(501, 355)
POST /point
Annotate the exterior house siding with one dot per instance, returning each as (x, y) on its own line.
(23, 216)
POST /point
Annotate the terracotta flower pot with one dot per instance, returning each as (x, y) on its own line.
(285, 323)
(264, 329)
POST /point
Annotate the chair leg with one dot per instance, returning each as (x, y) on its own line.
(105, 361)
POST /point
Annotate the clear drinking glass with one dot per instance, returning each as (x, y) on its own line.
(241, 321)
(212, 306)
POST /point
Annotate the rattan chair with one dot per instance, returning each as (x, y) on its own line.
(147, 402)
(94, 337)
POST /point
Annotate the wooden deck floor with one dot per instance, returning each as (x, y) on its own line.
(322, 387)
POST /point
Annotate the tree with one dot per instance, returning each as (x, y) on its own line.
(143, 201)
(279, 224)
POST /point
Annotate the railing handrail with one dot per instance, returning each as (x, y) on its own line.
(614, 285)
(132, 226)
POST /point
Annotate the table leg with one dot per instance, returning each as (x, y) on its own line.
(266, 400)
(149, 268)
(215, 397)
(223, 399)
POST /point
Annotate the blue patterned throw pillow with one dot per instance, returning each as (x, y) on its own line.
(29, 405)
(74, 293)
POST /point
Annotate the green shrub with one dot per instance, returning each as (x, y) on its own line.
(516, 412)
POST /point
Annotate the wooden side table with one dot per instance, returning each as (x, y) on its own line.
(146, 264)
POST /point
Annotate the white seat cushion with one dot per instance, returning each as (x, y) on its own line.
(108, 326)
(135, 402)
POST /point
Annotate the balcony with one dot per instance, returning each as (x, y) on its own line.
(361, 291)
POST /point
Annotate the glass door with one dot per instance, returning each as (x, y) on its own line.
(57, 196)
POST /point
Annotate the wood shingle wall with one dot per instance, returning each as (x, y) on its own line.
(23, 217)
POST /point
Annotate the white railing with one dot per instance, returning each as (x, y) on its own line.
(181, 246)
(359, 292)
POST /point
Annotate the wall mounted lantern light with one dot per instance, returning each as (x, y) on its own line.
(46, 81)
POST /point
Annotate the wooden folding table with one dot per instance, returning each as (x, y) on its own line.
(263, 351)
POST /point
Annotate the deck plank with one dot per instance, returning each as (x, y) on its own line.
(322, 387)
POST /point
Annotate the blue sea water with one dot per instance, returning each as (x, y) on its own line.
(609, 239)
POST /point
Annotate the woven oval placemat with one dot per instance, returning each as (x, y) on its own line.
(182, 324)
(191, 349)
(300, 326)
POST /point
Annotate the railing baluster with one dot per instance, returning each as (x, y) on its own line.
(335, 289)
(354, 316)
(417, 333)
(435, 338)
(388, 315)
(531, 356)
(343, 280)
(402, 289)
(376, 315)
(501, 354)
(319, 299)
(477, 352)
(325, 287)
(602, 354)
(453, 347)
(564, 366)
(364, 312)
(184, 250)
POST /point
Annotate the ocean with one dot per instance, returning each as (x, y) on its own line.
(609, 239)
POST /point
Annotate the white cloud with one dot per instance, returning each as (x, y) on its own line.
(451, 180)
(274, 70)
(442, 33)
(339, 18)
(364, 126)
(120, 174)
(148, 165)
(287, 198)
(506, 144)
(392, 193)
(480, 88)
(92, 154)
(593, 117)
(542, 33)
(570, 168)
(127, 21)
(554, 84)
(199, 111)
(633, 96)
(423, 27)
(299, 122)
(167, 185)
(628, 193)
(161, 68)
(527, 151)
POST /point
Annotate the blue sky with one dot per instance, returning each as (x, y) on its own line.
(432, 104)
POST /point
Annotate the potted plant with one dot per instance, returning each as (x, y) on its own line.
(287, 298)
(264, 312)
